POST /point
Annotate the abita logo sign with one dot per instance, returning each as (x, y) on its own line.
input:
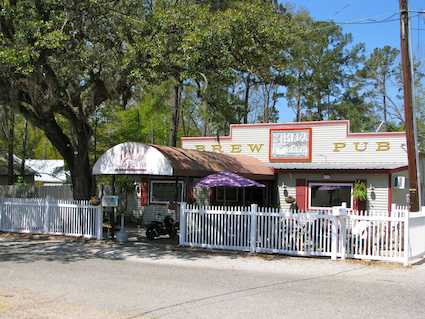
(290, 145)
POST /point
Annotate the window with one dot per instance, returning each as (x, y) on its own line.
(330, 194)
(231, 194)
(162, 192)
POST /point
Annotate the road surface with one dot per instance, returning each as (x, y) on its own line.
(74, 279)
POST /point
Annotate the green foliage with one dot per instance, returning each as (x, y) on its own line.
(322, 65)
(360, 191)
(90, 74)
(420, 116)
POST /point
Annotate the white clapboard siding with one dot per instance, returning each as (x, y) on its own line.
(324, 135)
(55, 217)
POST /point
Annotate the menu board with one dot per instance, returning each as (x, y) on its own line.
(290, 145)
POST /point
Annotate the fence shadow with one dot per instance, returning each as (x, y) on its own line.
(27, 249)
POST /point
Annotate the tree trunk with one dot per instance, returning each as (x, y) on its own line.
(11, 148)
(176, 115)
(319, 107)
(75, 151)
(24, 149)
(246, 99)
(298, 108)
(384, 98)
(81, 176)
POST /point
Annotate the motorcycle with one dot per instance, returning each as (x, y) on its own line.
(157, 228)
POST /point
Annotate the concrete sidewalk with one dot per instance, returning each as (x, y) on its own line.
(70, 279)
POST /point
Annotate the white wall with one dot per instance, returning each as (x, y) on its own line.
(377, 199)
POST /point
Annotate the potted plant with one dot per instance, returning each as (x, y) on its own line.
(360, 195)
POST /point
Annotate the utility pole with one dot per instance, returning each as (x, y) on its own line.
(408, 108)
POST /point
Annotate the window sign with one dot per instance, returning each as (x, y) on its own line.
(290, 145)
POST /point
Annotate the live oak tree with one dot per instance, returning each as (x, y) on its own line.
(64, 59)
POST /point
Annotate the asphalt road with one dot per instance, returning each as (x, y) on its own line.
(62, 279)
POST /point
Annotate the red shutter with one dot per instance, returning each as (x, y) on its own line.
(301, 194)
(190, 198)
(144, 193)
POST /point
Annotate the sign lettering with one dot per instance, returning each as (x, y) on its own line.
(382, 146)
(255, 148)
(360, 149)
(364, 146)
(290, 144)
(338, 146)
(235, 148)
(217, 148)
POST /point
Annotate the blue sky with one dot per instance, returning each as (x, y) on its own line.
(373, 35)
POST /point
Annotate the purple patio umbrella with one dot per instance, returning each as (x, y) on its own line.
(227, 179)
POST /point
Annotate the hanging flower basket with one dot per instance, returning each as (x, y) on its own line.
(290, 200)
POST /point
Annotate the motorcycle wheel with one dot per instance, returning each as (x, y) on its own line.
(151, 233)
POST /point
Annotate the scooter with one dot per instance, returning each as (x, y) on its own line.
(166, 227)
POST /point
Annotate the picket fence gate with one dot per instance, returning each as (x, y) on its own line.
(341, 232)
(54, 217)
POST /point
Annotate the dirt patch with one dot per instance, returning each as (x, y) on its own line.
(375, 263)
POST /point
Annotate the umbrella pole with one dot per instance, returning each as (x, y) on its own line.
(224, 195)
(243, 196)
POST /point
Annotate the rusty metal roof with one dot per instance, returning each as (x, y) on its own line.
(201, 163)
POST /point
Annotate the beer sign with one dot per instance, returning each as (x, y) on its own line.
(290, 145)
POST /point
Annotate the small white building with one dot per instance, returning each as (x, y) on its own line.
(49, 172)
(317, 164)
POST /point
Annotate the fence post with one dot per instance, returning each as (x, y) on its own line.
(253, 230)
(99, 223)
(334, 233)
(182, 226)
(343, 232)
(406, 239)
(46, 217)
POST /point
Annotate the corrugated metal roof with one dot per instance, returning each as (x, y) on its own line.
(341, 166)
(16, 165)
(187, 162)
(49, 171)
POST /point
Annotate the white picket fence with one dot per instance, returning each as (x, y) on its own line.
(55, 217)
(396, 237)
